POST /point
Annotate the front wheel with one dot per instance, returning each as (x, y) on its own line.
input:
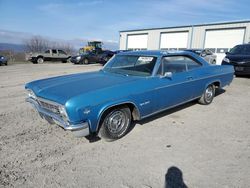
(40, 60)
(86, 61)
(208, 95)
(115, 123)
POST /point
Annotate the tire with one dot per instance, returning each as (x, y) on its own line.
(213, 62)
(39, 60)
(115, 123)
(208, 95)
(85, 61)
(6, 63)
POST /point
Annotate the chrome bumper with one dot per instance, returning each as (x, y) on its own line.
(79, 130)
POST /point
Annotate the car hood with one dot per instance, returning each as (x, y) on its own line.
(62, 88)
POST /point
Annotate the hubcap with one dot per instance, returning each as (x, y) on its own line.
(40, 60)
(209, 94)
(116, 122)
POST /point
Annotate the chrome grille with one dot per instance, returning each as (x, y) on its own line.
(48, 106)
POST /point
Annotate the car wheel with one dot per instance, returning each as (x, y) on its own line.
(208, 95)
(86, 61)
(213, 62)
(6, 63)
(39, 60)
(115, 123)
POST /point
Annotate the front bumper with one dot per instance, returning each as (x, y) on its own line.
(79, 130)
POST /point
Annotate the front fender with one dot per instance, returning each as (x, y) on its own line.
(97, 112)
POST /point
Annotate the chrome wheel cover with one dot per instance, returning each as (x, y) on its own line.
(40, 60)
(209, 94)
(116, 122)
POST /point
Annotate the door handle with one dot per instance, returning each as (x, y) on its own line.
(189, 78)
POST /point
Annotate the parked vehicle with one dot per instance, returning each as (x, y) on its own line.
(131, 86)
(208, 55)
(239, 57)
(92, 57)
(3, 60)
(48, 55)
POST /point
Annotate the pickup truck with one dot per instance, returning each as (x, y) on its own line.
(48, 55)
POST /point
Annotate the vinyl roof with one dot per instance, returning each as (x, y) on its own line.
(195, 25)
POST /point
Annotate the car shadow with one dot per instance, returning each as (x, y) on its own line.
(174, 178)
(219, 91)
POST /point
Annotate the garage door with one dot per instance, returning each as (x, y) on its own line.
(221, 41)
(137, 42)
(176, 41)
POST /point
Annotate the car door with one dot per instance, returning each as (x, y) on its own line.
(174, 82)
(62, 55)
(55, 56)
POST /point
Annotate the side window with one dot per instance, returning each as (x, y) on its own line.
(54, 51)
(47, 52)
(61, 52)
(177, 64)
(191, 64)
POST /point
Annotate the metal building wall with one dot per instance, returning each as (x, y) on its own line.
(196, 37)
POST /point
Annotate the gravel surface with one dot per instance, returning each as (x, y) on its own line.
(192, 145)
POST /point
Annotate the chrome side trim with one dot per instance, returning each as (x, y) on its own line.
(58, 120)
(158, 111)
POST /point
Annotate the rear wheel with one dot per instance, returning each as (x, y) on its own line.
(208, 95)
(115, 123)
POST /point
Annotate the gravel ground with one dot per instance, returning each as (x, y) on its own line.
(192, 145)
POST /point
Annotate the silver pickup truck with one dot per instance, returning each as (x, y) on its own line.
(48, 55)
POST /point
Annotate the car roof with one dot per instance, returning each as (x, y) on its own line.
(243, 44)
(194, 49)
(152, 52)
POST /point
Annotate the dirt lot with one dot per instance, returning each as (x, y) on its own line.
(207, 146)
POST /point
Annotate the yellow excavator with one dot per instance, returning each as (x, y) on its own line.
(92, 46)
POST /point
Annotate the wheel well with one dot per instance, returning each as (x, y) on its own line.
(217, 84)
(133, 109)
(39, 56)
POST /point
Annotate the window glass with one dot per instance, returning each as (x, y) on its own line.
(54, 51)
(131, 65)
(47, 52)
(177, 64)
(61, 52)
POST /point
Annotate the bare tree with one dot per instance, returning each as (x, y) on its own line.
(36, 44)
(39, 44)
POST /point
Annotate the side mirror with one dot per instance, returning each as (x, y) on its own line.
(227, 53)
(168, 75)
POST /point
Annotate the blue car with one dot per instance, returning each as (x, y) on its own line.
(131, 86)
(3, 60)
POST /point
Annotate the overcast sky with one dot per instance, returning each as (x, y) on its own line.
(103, 19)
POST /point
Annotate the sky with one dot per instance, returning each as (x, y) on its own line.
(83, 20)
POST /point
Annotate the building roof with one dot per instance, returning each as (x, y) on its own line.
(195, 25)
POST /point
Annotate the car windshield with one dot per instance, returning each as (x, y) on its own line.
(131, 65)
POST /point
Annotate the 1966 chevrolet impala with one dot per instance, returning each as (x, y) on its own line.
(132, 86)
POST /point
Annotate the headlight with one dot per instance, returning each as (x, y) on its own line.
(2, 57)
(226, 60)
(63, 113)
(78, 58)
(31, 94)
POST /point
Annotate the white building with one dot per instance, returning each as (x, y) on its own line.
(218, 37)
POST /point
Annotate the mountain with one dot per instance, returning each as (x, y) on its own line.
(13, 47)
